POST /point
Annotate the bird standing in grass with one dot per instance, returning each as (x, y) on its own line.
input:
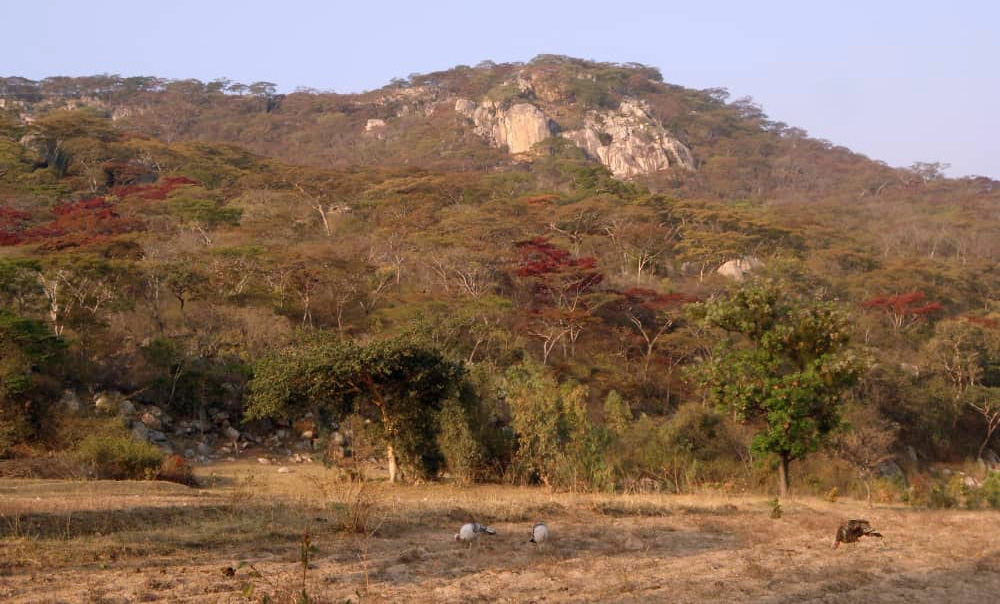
(470, 532)
(539, 533)
(854, 530)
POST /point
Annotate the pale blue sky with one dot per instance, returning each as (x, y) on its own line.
(900, 81)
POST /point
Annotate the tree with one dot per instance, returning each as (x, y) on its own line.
(967, 354)
(784, 365)
(30, 360)
(903, 310)
(865, 442)
(564, 291)
(400, 382)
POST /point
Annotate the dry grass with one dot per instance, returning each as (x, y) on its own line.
(252, 533)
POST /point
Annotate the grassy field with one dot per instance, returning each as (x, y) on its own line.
(252, 534)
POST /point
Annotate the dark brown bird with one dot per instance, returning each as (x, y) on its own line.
(854, 530)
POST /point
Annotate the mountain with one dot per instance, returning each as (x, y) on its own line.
(172, 233)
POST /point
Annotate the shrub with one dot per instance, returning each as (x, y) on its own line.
(991, 490)
(463, 454)
(120, 457)
(558, 445)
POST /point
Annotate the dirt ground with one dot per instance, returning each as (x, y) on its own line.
(252, 534)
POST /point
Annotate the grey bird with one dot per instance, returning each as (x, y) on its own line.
(539, 533)
(471, 531)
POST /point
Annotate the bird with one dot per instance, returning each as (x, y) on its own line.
(539, 533)
(471, 531)
(854, 530)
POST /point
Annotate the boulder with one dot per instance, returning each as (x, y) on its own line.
(107, 401)
(739, 268)
(140, 433)
(126, 408)
(889, 469)
(151, 421)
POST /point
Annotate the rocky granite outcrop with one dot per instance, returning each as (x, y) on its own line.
(630, 141)
(519, 127)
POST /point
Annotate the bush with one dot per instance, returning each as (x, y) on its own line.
(176, 469)
(557, 443)
(990, 490)
(463, 454)
(120, 457)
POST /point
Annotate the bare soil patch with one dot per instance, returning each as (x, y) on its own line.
(241, 538)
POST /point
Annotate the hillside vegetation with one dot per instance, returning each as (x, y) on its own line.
(218, 249)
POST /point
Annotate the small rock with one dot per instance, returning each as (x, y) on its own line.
(204, 449)
(106, 402)
(263, 461)
(232, 433)
(126, 408)
(284, 470)
(151, 421)
(140, 432)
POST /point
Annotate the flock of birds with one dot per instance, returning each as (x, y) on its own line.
(470, 532)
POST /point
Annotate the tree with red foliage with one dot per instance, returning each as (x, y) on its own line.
(903, 310)
(564, 291)
(12, 225)
(80, 223)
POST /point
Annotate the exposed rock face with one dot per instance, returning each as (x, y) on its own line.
(630, 141)
(518, 128)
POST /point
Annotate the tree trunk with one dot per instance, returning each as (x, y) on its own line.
(783, 475)
(394, 472)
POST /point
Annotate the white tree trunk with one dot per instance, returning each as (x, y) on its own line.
(394, 472)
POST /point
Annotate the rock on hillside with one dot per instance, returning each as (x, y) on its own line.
(518, 128)
(630, 141)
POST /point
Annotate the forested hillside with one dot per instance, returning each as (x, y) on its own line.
(662, 289)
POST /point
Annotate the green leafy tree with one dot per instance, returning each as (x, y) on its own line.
(400, 382)
(784, 364)
(30, 358)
